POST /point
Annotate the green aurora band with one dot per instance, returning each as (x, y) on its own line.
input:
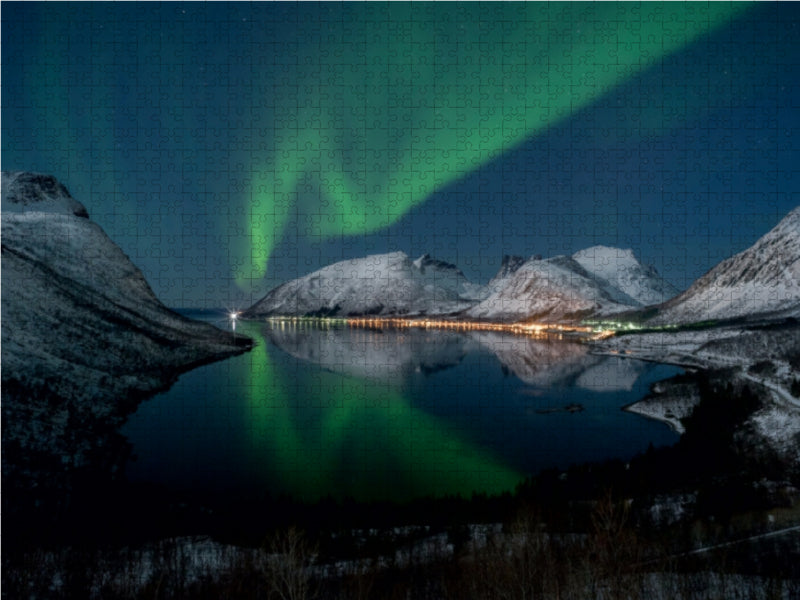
(342, 117)
(380, 105)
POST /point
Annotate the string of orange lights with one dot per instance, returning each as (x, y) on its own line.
(527, 329)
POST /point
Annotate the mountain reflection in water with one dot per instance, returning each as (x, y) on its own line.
(392, 354)
(318, 410)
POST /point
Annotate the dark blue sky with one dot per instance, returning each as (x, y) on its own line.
(166, 120)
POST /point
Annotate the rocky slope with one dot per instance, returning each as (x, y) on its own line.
(763, 280)
(508, 266)
(83, 335)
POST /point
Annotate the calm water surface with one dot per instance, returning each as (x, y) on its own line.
(315, 411)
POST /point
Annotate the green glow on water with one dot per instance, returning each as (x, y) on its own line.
(347, 436)
(384, 104)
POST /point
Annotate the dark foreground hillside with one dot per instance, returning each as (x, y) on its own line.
(706, 518)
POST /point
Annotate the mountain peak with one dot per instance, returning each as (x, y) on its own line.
(618, 270)
(426, 260)
(600, 252)
(511, 262)
(36, 192)
(509, 265)
(555, 289)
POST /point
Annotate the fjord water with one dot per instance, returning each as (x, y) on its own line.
(321, 410)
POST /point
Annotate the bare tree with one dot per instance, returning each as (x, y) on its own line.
(289, 566)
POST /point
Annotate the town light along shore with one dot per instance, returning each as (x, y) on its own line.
(526, 329)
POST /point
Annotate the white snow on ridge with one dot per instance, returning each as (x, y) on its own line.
(620, 270)
(559, 288)
(35, 192)
(764, 278)
(549, 290)
(380, 284)
(72, 297)
(509, 265)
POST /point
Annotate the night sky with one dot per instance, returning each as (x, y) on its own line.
(228, 147)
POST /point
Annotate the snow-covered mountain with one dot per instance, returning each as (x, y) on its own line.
(445, 275)
(762, 280)
(555, 289)
(508, 266)
(597, 281)
(380, 284)
(618, 270)
(83, 335)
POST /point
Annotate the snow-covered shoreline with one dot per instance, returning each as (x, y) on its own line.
(757, 355)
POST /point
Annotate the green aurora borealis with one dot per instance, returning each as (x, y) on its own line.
(254, 142)
(393, 102)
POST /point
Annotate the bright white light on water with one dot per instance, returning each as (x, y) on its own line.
(233, 316)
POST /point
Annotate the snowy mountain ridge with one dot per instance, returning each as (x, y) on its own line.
(599, 280)
(761, 280)
(619, 271)
(508, 266)
(78, 317)
(554, 289)
(35, 192)
(379, 284)
(595, 282)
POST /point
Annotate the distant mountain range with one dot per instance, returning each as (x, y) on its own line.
(381, 284)
(594, 283)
